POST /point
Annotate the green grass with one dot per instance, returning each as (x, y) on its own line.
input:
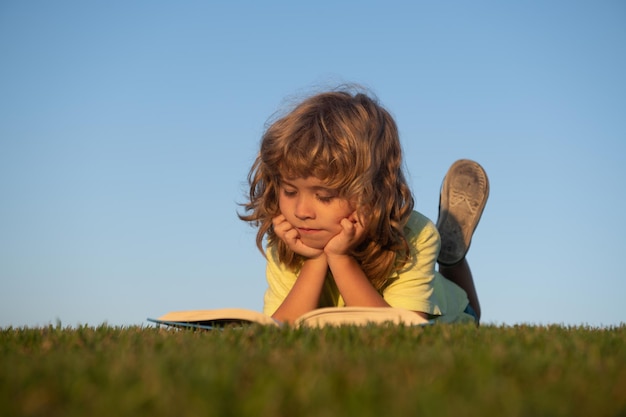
(443, 370)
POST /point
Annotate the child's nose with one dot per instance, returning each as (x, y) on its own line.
(304, 208)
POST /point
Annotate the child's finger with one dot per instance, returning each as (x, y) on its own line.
(354, 217)
(349, 227)
(357, 228)
(291, 235)
(278, 220)
(282, 228)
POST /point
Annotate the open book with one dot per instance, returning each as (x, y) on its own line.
(332, 316)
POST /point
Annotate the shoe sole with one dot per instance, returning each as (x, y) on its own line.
(463, 197)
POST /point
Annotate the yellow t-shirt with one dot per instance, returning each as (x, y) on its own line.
(418, 286)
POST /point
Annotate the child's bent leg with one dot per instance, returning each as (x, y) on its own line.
(463, 197)
(461, 275)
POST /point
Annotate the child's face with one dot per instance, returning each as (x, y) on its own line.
(314, 210)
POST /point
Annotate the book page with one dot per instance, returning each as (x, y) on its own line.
(225, 315)
(360, 316)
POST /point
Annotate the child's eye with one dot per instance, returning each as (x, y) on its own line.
(289, 193)
(325, 198)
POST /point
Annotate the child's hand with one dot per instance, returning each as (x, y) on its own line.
(288, 234)
(351, 234)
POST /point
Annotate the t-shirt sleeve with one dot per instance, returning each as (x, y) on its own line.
(280, 280)
(414, 287)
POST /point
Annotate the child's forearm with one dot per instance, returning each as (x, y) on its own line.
(305, 294)
(355, 288)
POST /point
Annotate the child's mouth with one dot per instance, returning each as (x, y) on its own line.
(306, 230)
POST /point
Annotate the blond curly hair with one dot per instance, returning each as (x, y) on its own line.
(350, 142)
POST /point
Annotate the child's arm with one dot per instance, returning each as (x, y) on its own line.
(305, 293)
(353, 284)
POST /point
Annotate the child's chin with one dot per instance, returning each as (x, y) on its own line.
(314, 243)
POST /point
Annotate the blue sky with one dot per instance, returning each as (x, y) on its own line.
(127, 130)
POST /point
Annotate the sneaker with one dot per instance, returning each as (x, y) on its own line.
(463, 197)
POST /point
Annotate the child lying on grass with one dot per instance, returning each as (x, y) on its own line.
(328, 192)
